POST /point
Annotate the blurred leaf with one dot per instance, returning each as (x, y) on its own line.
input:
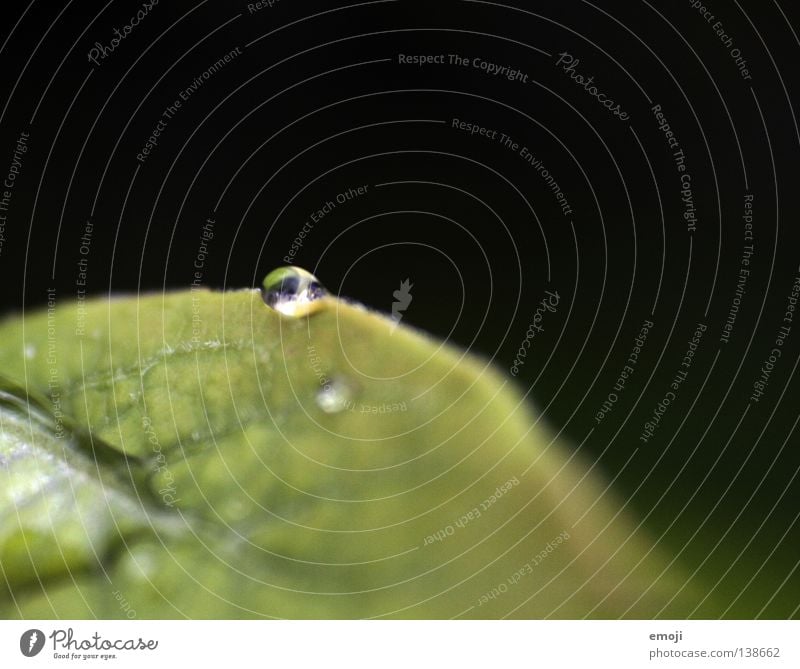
(332, 466)
(63, 505)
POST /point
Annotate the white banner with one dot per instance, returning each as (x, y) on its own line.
(401, 644)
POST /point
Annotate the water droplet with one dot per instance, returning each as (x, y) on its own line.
(335, 396)
(293, 291)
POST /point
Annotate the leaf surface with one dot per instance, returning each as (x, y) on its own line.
(255, 465)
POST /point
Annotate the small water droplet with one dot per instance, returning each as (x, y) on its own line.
(293, 291)
(335, 396)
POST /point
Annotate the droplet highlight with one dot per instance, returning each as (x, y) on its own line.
(293, 292)
(335, 396)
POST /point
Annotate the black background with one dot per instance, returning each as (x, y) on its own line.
(317, 103)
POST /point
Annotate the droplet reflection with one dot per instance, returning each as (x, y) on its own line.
(335, 396)
(293, 292)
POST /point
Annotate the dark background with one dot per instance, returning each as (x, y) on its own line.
(317, 104)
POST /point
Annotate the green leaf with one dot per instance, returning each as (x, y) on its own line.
(64, 502)
(256, 465)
